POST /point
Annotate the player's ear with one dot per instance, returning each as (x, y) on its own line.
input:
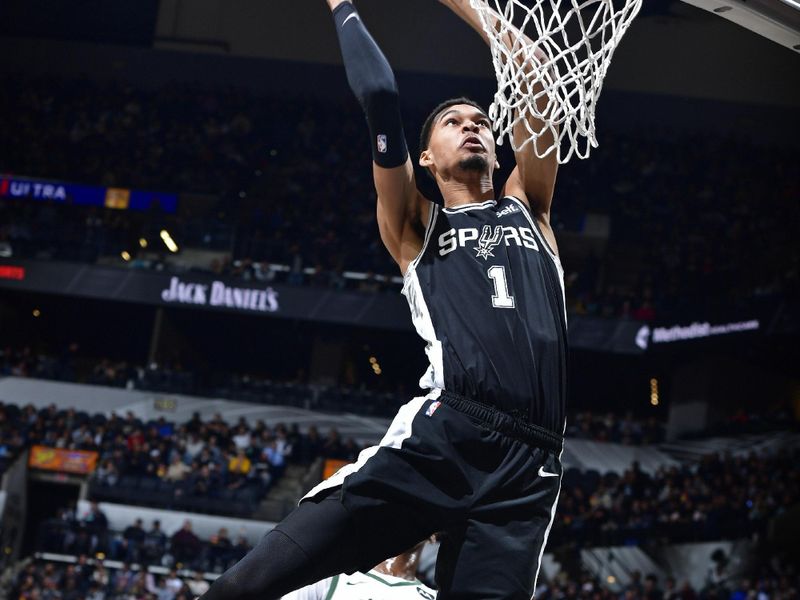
(426, 159)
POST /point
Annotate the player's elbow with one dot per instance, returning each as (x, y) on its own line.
(382, 92)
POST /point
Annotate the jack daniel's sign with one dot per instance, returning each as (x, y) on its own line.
(218, 294)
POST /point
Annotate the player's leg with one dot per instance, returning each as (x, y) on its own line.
(312, 543)
(496, 554)
(365, 513)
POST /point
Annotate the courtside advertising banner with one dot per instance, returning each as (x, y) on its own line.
(80, 462)
(208, 292)
(23, 188)
(387, 310)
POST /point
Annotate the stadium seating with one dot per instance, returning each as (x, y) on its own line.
(266, 165)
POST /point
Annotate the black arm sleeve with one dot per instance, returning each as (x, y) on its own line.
(373, 83)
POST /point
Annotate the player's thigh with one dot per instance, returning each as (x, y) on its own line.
(338, 540)
(325, 532)
(490, 561)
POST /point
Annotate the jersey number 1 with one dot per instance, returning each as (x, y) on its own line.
(501, 297)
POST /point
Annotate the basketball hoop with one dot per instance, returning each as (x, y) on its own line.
(550, 58)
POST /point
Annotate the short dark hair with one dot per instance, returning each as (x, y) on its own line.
(427, 127)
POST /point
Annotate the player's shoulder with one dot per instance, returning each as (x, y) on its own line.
(509, 205)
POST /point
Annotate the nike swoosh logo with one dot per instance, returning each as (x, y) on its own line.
(355, 582)
(543, 473)
(353, 16)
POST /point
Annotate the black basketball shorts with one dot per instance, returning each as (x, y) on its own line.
(448, 465)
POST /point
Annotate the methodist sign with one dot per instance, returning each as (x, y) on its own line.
(681, 333)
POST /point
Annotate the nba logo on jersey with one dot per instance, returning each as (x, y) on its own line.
(432, 408)
(382, 144)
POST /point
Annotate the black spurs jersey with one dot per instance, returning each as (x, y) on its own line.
(487, 294)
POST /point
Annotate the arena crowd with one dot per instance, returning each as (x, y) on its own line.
(24, 362)
(89, 534)
(721, 497)
(214, 466)
(684, 237)
(91, 580)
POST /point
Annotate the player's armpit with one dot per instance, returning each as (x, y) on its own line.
(401, 212)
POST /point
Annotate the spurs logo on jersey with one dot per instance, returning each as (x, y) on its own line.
(488, 240)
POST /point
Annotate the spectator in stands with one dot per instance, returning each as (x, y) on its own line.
(123, 580)
(242, 436)
(219, 551)
(155, 544)
(719, 576)
(239, 549)
(185, 545)
(650, 589)
(670, 590)
(100, 578)
(95, 592)
(332, 446)
(96, 525)
(177, 470)
(239, 465)
(197, 585)
(204, 482)
(312, 445)
(160, 589)
(132, 541)
(275, 459)
(107, 473)
(173, 582)
(350, 450)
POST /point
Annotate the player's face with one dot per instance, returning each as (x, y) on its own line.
(461, 140)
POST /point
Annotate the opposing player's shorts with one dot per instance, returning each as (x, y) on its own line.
(447, 464)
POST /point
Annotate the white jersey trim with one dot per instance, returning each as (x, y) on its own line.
(552, 519)
(553, 256)
(420, 315)
(470, 206)
(432, 214)
(399, 431)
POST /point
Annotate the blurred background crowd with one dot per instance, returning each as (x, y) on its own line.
(689, 223)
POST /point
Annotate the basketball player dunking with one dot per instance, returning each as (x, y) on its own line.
(478, 457)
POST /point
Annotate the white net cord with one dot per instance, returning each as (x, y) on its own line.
(550, 58)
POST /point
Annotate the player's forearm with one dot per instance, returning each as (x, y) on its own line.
(371, 78)
(469, 15)
(513, 38)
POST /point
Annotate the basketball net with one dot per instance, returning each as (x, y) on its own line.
(550, 58)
